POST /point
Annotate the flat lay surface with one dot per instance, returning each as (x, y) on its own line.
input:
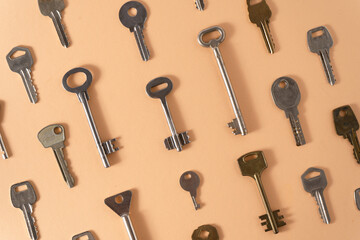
(160, 208)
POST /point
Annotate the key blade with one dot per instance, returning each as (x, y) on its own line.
(139, 37)
(48, 6)
(123, 207)
(3, 149)
(56, 18)
(52, 136)
(28, 83)
(269, 42)
(30, 221)
(345, 120)
(252, 163)
(317, 183)
(325, 59)
(319, 42)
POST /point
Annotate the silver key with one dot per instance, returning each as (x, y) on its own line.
(315, 186)
(286, 95)
(200, 4)
(120, 204)
(104, 148)
(22, 65)
(357, 198)
(176, 140)
(190, 181)
(136, 24)
(3, 148)
(321, 45)
(52, 9)
(24, 200)
(238, 124)
(82, 235)
(54, 136)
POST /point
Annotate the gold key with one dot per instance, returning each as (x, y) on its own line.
(205, 232)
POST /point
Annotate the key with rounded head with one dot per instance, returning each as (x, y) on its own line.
(209, 231)
(136, 24)
(315, 186)
(237, 124)
(286, 95)
(54, 136)
(357, 198)
(82, 235)
(104, 148)
(190, 181)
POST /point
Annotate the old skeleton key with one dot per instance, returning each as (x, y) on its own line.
(286, 95)
(190, 181)
(177, 140)
(199, 233)
(82, 235)
(106, 147)
(253, 164)
(54, 136)
(120, 204)
(22, 65)
(238, 124)
(357, 198)
(24, 200)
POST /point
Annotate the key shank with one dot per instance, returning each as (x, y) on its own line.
(56, 18)
(139, 37)
(129, 227)
(325, 59)
(319, 197)
(3, 148)
(265, 31)
(59, 154)
(297, 130)
(171, 124)
(27, 210)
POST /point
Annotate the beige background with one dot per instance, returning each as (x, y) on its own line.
(161, 209)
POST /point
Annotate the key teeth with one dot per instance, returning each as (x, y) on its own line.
(235, 126)
(266, 221)
(109, 147)
(183, 137)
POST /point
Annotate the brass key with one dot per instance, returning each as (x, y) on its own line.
(205, 232)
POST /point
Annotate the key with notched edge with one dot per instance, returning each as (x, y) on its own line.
(190, 181)
(252, 165)
(211, 230)
(82, 235)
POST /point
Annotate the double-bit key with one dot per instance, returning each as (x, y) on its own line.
(190, 181)
(237, 124)
(104, 148)
(252, 165)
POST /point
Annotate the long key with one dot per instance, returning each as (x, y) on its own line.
(321, 45)
(346, 125)
(52, 9)
(252, 165)
(136, 24)
(22, 65)
(238, 124)
(199, 233)
(82, 235)
(200, 4)
(286, 95)
(120, 204)
(104, 148)
(190, 181)
(357, 198)
(315, 186)
(260, 14)
(24, 199)
(54, 136)
(177, 140)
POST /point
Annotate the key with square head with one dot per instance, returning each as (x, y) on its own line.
(252, 165)
(54, 136)
(321, 44)
(205, 232)
(82, 235)
(53, 9)
(357, 198)
(190, 181)
(237, 124)
(177, 140)
(120, 204)
(136, 24)
(286, 95)
(25, 199)
(104, 148)
(200, 4)
(259, 14)
(315, 186)
(22, 65)
(346, 125)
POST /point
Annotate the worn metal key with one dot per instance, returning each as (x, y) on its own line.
(190, 181)
(104, 148)
(238, 124)
(82, 235)
(357, 198)
(205, 232)
(200, 4)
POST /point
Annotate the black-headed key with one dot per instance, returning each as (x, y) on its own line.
(201, 232)
(190, 181)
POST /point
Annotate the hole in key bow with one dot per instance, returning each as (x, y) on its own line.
(76, 79)
(57, 130)
(253, 2)
(119, 199)
(211, 35)
(342, 113)
(283, 84)
(312, 175)
(251, 157)
(159, 87)
(83, 238)
(204, 234)
(132, 12)
(317, 33)
(21, 188)
(17, 54)
(187, 176)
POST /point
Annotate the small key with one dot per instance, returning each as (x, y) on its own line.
(252, 165)
(346, 125)
(321, 45)
(357, 198)
(82, 235)
(237, 124)
(260, 14)
(316, 186)
(286, 95)
(176, 140)
(136, 24)
(205, 232)
(120, 204)
(22, 65)
(24, 199)
(200, 4)
(190, 181)
(53, 9)
(54, 136)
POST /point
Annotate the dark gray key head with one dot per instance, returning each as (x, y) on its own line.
(313, 184)
(319, 41)
(52, 136)
(252, 163)
(286, 93)
(84, 234)
(213, 42)
(259, 12)
(19, 198)
(212, 233)
(48, 6)
(82, 88)
(131, 21)
(357, 198)
(21, 62)
(120, 203)
(345, 120)
(161, 94)
(190, 181)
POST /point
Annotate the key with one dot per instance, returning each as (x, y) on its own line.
(315, 186)
(53, 9)
(286, 95)
(176, 140)
(135, 24)
(321, 45)
(3, 148)
(252, 165)
(82, 235)
(24, 199)
(200, 4)
(120, 204)
(190, 181)
(238, 124)
(357, 198)
(104, 148)
(54, 136)
(346, 125)
(205, 232)
(260, 14)
(22, 65)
